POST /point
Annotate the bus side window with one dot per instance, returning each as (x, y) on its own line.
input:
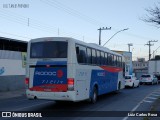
(110, 59)
(93, 56)
(106, 58)
(115, 60)
(121, 62)
(89, 56)
(81, 54)
(118, 61)
(102, 58)
(98, 57)
(77, 50)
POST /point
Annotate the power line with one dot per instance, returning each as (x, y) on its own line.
(154, 51)
(73, 12)
(36, 24)
(15, 35)
(24, 20)
(30, 22)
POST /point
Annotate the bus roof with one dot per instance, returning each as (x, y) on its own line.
(92, 45)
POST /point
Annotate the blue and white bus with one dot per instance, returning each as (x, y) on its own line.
(66, 69)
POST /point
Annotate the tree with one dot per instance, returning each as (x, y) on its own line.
(153, 15)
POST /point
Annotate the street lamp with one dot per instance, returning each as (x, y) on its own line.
(114, 35)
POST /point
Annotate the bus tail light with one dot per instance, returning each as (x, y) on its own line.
(70, 82)
(27, 82)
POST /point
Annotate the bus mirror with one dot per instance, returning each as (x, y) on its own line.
(77, 50)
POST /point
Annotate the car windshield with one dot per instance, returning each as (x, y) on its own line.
(127, 77)
(145, 76)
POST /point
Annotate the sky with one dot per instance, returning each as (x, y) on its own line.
(81, 19)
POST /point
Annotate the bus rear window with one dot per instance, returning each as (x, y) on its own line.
(49, 49)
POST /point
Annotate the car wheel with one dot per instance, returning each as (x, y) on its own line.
(94, 95)
(152, 83)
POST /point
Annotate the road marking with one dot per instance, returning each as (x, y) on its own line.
(147, 101)
(157, 92)
(154, 95)
(152, 98)
(125, 118)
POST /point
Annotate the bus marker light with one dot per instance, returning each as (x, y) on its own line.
(70, 81)
(27, 81)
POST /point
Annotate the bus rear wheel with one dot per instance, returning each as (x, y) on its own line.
(94, 95)
(119, 87)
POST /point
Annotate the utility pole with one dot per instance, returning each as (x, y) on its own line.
(149, 44)
(129, 45)
(100, 33)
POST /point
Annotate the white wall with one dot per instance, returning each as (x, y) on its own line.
(11, 67)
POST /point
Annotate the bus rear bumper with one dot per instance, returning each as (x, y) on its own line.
(61, 96)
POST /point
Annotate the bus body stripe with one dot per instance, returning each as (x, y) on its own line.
(106, 78)
(111, 69)
(50, 88)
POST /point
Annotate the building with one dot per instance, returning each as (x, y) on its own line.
(12, 63)
(140, 66)
(140, 63)
(128, 61)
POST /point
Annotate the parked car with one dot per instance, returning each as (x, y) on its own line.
(158, 77)
(131, 81)
(148, 79)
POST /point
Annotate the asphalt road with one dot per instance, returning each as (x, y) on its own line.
(137, 99)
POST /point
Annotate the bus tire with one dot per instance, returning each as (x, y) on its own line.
(94, 95)
(119, 87)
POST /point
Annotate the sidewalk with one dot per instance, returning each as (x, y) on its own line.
(11, 94)
(155, 107)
